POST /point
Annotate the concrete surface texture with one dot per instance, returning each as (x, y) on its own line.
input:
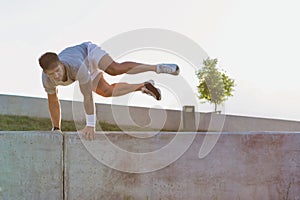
(240, 166)
(30, 165)
(142, 117)
(254, 166)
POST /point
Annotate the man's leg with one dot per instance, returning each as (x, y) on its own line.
(101, 87)
(111, 67)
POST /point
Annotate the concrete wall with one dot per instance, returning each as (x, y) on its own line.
(241, 166)
(143, 117)
(234, 123)
(254, 166)
(114, 114)
(31, 165)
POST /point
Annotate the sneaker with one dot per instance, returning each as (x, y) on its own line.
(151, 90)
(167, 68)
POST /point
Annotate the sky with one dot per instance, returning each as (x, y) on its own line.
(256, 42)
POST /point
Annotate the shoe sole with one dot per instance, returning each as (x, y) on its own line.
(177, 71)
(154, 90)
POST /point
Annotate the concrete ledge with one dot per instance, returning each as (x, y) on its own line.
(258, 165)
(30, 165)
(241, 166)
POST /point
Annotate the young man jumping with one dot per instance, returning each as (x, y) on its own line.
(86, 63)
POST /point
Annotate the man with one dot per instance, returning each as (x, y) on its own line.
(85, 63)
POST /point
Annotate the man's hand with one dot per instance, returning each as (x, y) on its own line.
(88, 133)
(56, 130)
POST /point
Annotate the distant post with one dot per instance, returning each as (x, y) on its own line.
(188, 116)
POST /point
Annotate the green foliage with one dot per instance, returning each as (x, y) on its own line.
(25, 123)
(214, 85)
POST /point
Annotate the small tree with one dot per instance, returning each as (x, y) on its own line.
(214, 86)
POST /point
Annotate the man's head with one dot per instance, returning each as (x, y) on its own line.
(48, 61)
(52, 66)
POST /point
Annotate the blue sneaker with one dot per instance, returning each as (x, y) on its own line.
(167, 68)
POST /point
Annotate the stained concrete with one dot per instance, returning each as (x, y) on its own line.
(31, 165)
(253, 165)
(250, 166)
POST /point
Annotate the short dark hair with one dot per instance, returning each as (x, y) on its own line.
(47, 59)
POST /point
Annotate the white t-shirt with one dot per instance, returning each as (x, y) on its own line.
(77, 61)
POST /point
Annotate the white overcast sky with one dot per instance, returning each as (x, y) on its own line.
(256, 41)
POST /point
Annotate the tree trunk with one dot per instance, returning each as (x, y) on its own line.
(216, 107)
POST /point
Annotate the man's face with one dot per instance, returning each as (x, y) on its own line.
(56, 72)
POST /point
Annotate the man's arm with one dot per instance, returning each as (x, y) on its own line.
(86, 90)
(54, 108)
(89, 130)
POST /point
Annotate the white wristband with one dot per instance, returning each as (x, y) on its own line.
(90, 120)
